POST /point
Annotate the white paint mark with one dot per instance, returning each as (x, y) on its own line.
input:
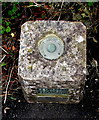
(80, 39)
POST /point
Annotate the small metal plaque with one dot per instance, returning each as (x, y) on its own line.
(52, 91)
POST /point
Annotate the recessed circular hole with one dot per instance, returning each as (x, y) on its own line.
(58, 53)
(68, 40)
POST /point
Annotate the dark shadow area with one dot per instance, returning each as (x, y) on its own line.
(26, 111)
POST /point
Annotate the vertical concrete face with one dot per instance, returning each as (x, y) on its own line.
(52, 61)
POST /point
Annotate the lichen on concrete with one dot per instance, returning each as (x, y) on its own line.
(68, 71)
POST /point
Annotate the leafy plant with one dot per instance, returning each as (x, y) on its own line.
(90, 4)
(2, 29)
(2, 64)
(8, 29)
(13, 10)
(7, 23)
(5, 27)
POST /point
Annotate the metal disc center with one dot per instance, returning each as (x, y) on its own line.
(51, 48)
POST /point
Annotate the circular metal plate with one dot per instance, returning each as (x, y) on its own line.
(51, 47)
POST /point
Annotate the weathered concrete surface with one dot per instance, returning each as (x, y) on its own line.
(66, 72)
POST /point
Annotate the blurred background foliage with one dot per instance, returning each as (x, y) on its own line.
(16, 13)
